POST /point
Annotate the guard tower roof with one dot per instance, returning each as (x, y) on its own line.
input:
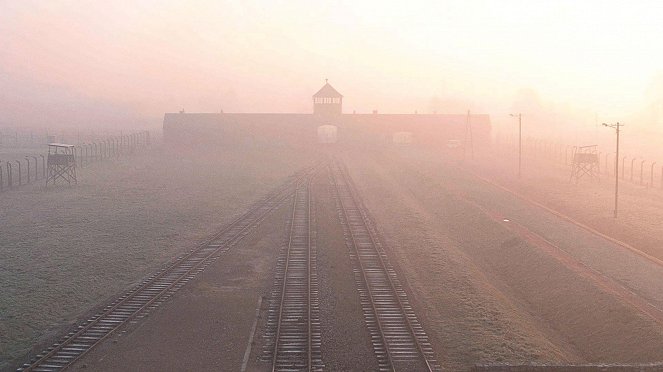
(328, 91)
(60, 145)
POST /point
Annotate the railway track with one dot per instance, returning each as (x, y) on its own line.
(399, 341)
(156, 289)
(293, 325)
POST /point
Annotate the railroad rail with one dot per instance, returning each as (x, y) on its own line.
(156, 289)
(399, 341)
(293, 326)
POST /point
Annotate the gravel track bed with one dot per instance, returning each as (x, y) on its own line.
(345, 339)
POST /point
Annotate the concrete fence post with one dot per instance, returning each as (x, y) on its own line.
(36, 168)
(27, 172)
(43, 165)
(20, 181)
(80, 156)
(632, 162)
(10, 175)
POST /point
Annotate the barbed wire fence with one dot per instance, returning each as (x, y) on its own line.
(18, 172)
(633, 169)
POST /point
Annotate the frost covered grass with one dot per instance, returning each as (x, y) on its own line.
(65, 249)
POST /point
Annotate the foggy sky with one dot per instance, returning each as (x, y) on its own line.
(143, 58)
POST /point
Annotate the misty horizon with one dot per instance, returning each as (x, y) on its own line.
(87, 64)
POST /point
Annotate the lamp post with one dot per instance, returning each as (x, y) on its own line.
(616, 127)
(520, 142)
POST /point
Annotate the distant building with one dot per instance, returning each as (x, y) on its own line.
(230, 128)
(402, 138)
(327, 133)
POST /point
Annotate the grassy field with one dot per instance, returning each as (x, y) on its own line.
(65, 249)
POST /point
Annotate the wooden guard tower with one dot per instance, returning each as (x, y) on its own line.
(585, 162)
(61, 163)
(327, 101)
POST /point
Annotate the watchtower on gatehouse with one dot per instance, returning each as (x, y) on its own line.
(327, 101)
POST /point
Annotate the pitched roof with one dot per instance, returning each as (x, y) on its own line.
(328, 91)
